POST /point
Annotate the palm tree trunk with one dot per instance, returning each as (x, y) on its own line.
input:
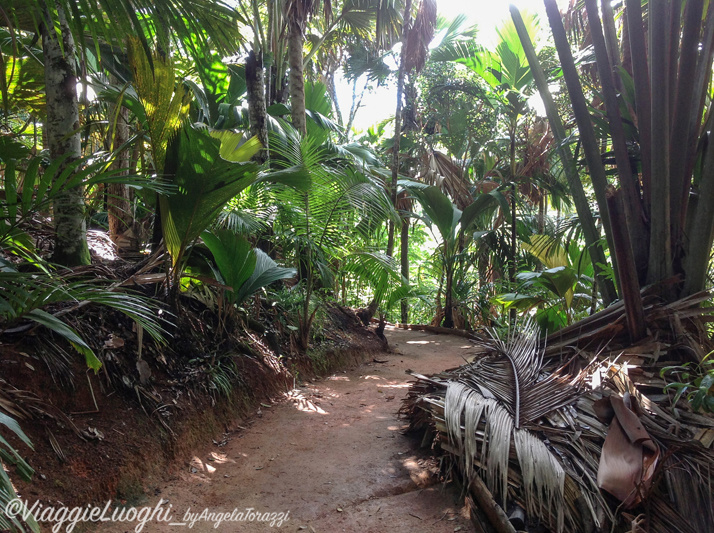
(62, 128)
(356, 104)
(118, 210)
(398, 120)
(585, 127)
(660, 260)
(449, 298)
(332, 88)
(405, 267)
(297, 80)
(514, 220)
(641, 78)
(633, 209)
(701, 226)
(257, 113)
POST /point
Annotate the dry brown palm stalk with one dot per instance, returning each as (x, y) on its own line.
(524, 416)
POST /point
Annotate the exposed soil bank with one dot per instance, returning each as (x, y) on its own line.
(331, 454)
(111, 436)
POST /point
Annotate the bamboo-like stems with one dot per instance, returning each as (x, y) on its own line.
(674, 23)
(629, 284)
(701, 230)
(660, 260)
(641, 80)
(634, 215)
(703, 74)
(683, 107)
(613, 48)
(589, 142)
(582, 206)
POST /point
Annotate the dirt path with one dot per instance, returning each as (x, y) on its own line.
(332, 455)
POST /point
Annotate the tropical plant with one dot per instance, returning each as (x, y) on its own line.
(16, 521)
(23, 295)
(244, 269)
(566, 271)
(454, 226)
(659, 220)
(582, 205)
(693, 381)
(63, 24)
(340, 198)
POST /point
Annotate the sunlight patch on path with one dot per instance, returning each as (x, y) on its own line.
(304, 404)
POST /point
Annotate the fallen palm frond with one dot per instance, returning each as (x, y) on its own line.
(525, 418)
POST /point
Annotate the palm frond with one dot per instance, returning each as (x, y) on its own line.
(419, 37)
(23, 296)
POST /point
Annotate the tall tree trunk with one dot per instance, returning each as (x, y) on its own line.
(332, 88)
(297, 80)
(356, 104)
(512, 267)
(257, 113)
(660, 260)
(449, 298)
(405, 267)
(633, 209)
(118, 208)
(585, 128)
(629, 284)
(398, 120)
(701, 226)
(582, 204)
(63, 138)
(641, 78)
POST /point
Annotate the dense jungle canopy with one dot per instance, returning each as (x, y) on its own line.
(210, 148)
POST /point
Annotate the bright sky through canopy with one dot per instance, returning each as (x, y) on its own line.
(486, 14)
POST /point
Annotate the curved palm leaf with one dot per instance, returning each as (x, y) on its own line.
(22, 521)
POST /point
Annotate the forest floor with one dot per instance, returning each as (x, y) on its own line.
(331, 455)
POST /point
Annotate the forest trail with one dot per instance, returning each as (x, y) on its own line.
(332, 454)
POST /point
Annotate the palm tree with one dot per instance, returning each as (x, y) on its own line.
(665, 170)
(62, 131)
(415, 45)
(64, 23)
(297, 13)
(337, 197)
(454, 226)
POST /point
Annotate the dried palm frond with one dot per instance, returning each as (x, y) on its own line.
(511, 372)
(489, 406)
(552, 451)
(419, 36)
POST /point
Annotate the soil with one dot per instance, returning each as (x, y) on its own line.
(109, 436)
(331, 452)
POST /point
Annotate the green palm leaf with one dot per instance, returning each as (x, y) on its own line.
(205, 182)
(246, 270)
(266, 272)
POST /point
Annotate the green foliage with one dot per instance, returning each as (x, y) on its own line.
(338, 202)
(23, 295)
(22, 77)
(163, 104)
(243, 268)
(456, 229)
(205, 183)
(553, 290)
(221, 92)
(693, 381)
(31, 185)
(10, 456)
